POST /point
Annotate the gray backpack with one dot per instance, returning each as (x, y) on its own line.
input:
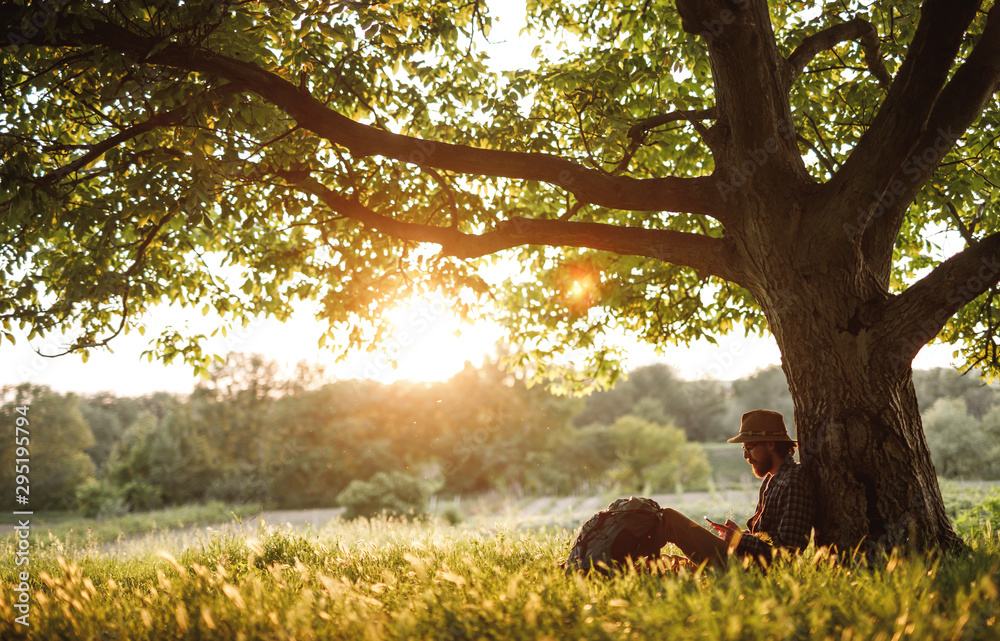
(629, 528)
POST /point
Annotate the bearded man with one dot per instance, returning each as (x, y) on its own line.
(785, 504)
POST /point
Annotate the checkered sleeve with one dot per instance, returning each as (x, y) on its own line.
(793, 502)
(797, 503)
(750, 545)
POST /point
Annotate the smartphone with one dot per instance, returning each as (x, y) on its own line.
(720, 530)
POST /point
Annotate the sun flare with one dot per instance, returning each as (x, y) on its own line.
(428, 342)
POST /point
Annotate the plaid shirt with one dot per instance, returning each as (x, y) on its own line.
(785, 512)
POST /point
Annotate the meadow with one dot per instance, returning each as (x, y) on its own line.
(427, 579)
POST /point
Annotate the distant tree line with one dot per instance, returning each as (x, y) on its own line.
(246, 434)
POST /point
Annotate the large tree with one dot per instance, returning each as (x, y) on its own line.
(676, 168)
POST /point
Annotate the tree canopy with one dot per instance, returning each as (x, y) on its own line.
(242, 155)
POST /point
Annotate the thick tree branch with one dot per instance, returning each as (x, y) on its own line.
(703, 253)
(856, 29)
(913, 318)
(902, 118)
(960, 103)
(692, 195)
(750, 95)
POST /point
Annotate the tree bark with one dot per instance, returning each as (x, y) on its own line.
(856, 413)
(824, 292)
(861, 436)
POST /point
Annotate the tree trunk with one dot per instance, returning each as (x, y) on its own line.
(856, 416)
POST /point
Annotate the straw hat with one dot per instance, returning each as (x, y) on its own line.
(761, 425)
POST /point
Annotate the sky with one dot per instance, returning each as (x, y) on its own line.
(428, 343)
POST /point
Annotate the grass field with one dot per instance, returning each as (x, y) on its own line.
(72, 530)
(427, 580)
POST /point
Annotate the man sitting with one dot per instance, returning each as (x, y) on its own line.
(785, 504)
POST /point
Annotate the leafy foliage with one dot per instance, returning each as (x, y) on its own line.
(698, 407)
(651, 457)
(130, 181)
(962, 445)
(984, 516)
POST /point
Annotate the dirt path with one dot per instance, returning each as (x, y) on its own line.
(314, 518)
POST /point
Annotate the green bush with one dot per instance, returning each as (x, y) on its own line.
(452, 515)
(142, 497)
(961, 445)
(104, 498)
(394, 493)
(651, 457)
(985, 514)
(100, 498)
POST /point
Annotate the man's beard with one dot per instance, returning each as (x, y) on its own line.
(760, 468)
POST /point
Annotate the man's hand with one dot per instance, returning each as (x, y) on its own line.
(724, 531)
(731, 534)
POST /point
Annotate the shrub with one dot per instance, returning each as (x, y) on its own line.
(142, 497)
(452, 515)
(100, 498)
(960, 445)
(394, 493)
(652, 457)
(105, 498)
(982, 515)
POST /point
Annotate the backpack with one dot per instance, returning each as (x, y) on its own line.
(628, 528)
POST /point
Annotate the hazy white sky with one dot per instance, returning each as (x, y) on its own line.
(431, 343)
(425, 336)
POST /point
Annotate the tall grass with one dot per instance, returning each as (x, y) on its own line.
(427, 580)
